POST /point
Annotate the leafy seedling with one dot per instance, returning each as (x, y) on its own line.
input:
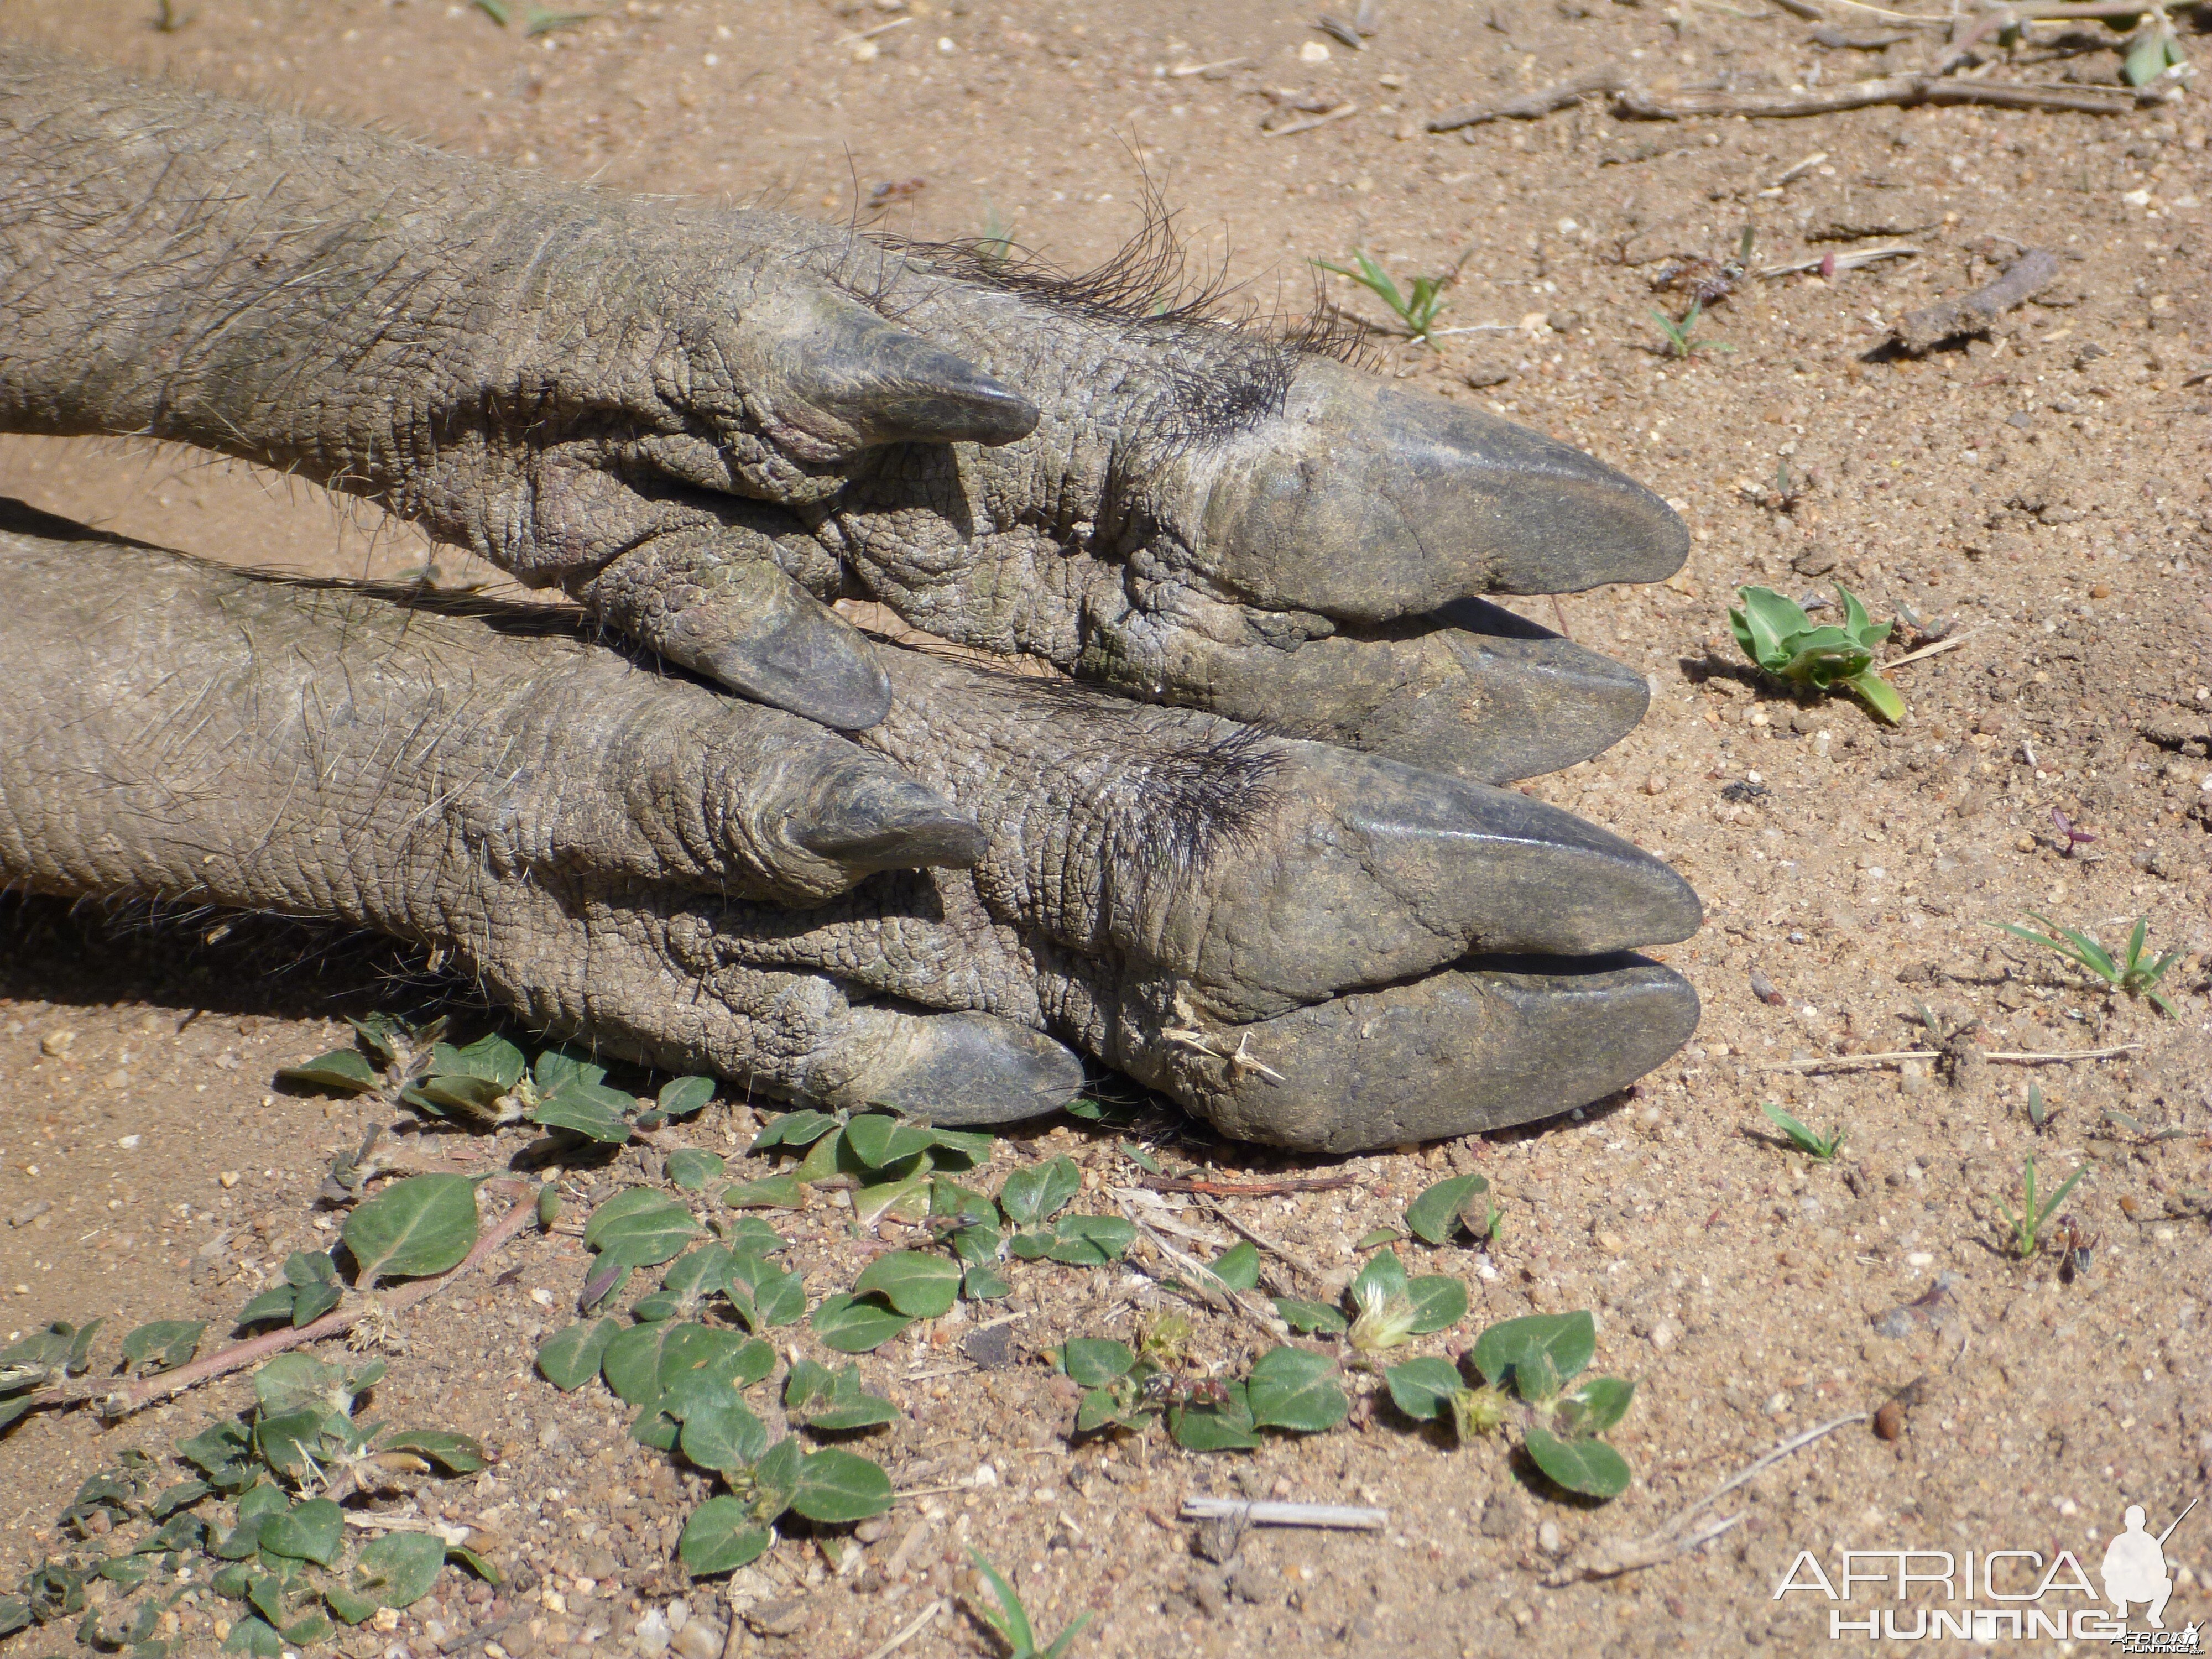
(2034, 1213)
(1417, 312)
(1778, 636)
(1802, 1136)
(1011, 1622)
(2040, 1113)
(1683, 340)
(2135, 974)
(2155, 51)
(1534, 1359)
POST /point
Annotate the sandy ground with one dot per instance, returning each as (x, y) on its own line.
(2042, 494)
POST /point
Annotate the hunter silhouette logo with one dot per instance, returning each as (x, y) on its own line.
(2001, 1595)
(2135, 1566)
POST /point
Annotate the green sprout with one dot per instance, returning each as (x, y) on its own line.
(2154, 52)
(1010, 1623)
(1417, 312)
(1782, 639)
(1682, 338)
(2039, 1111)
(2028, 1223)
(1800, 1136)
(2135, 973)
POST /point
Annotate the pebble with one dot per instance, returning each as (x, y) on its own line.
(1889, 1421)
(1548, 1539)
(56, 1043)
(1663, 1334)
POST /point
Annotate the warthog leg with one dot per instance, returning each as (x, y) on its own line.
(1296, 940)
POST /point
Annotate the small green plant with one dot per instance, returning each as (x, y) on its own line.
(2028, 1221)
(2039, 1113)
(1531, 1360)
(1783, 640)
(1417, 312)
(996, 245)
(2135, 973)
(1683, 340)
(2155, 51)
(1802, 1136)
(1010, 1623)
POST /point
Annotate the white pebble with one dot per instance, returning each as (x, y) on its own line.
(1663, 1334)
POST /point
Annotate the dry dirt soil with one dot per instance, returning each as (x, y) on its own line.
(2039, 495)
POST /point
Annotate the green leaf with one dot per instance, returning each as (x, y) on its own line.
(1569, 1340)
(312, 1531)
(765, 1294)
(1441, 1211)
(401, 1566)
(857, 1324)
(879, 1141)
(350, 1609)
(769, 1193)
(721, 1536)
(833, 1402)
(341, 1070)
(836, 1486)
(1041, 1191)
(906, 1198)
(1368, 1240)
(692, 1169)
(1091, 1241)
(1384, 1274)
(1102, 1406)
(243, 1540)
(1291, 1388)
(1237, 1267)
(2148, 58)
(724, 1437)
(826, 1158)
(704, 1363)
(274, 1303)
(220, 1451)
(1438, 1300)
(640, 1227)
(584, 1115)
(1422, 1388)
(1878, 694)
(1589, 1467)
(571, 1357)
(800, 1128)
(414, 1228)
(682, 1097)
(1596, 1406)
(162, 1345)
(632, 1362)
(1225, 1427)
(918, 1286)
(491, 1058)
(252, 1636)
(1092, 1362)
(984, 1283)
(307, 1630)
(1311, 1316)
(182, 1495)
(960, 1149)
(456, 1454)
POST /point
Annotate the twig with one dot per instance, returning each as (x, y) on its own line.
(1247, 1188)
(1851, 261)
(1531, 105)
(1860, 1062)
(1682, 1534)
(1181, 70)
(921, 1620)
(1274, 1247)
(121, 1401)
(1905, 91)
(1941, 646)
(1310, 122)
(1200, 1507)
(1971, 313)
(369, 1522)
(2059, 1057)
(1215, 1288)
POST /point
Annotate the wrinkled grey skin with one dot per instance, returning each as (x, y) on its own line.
(703, 424)
(621, 855)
